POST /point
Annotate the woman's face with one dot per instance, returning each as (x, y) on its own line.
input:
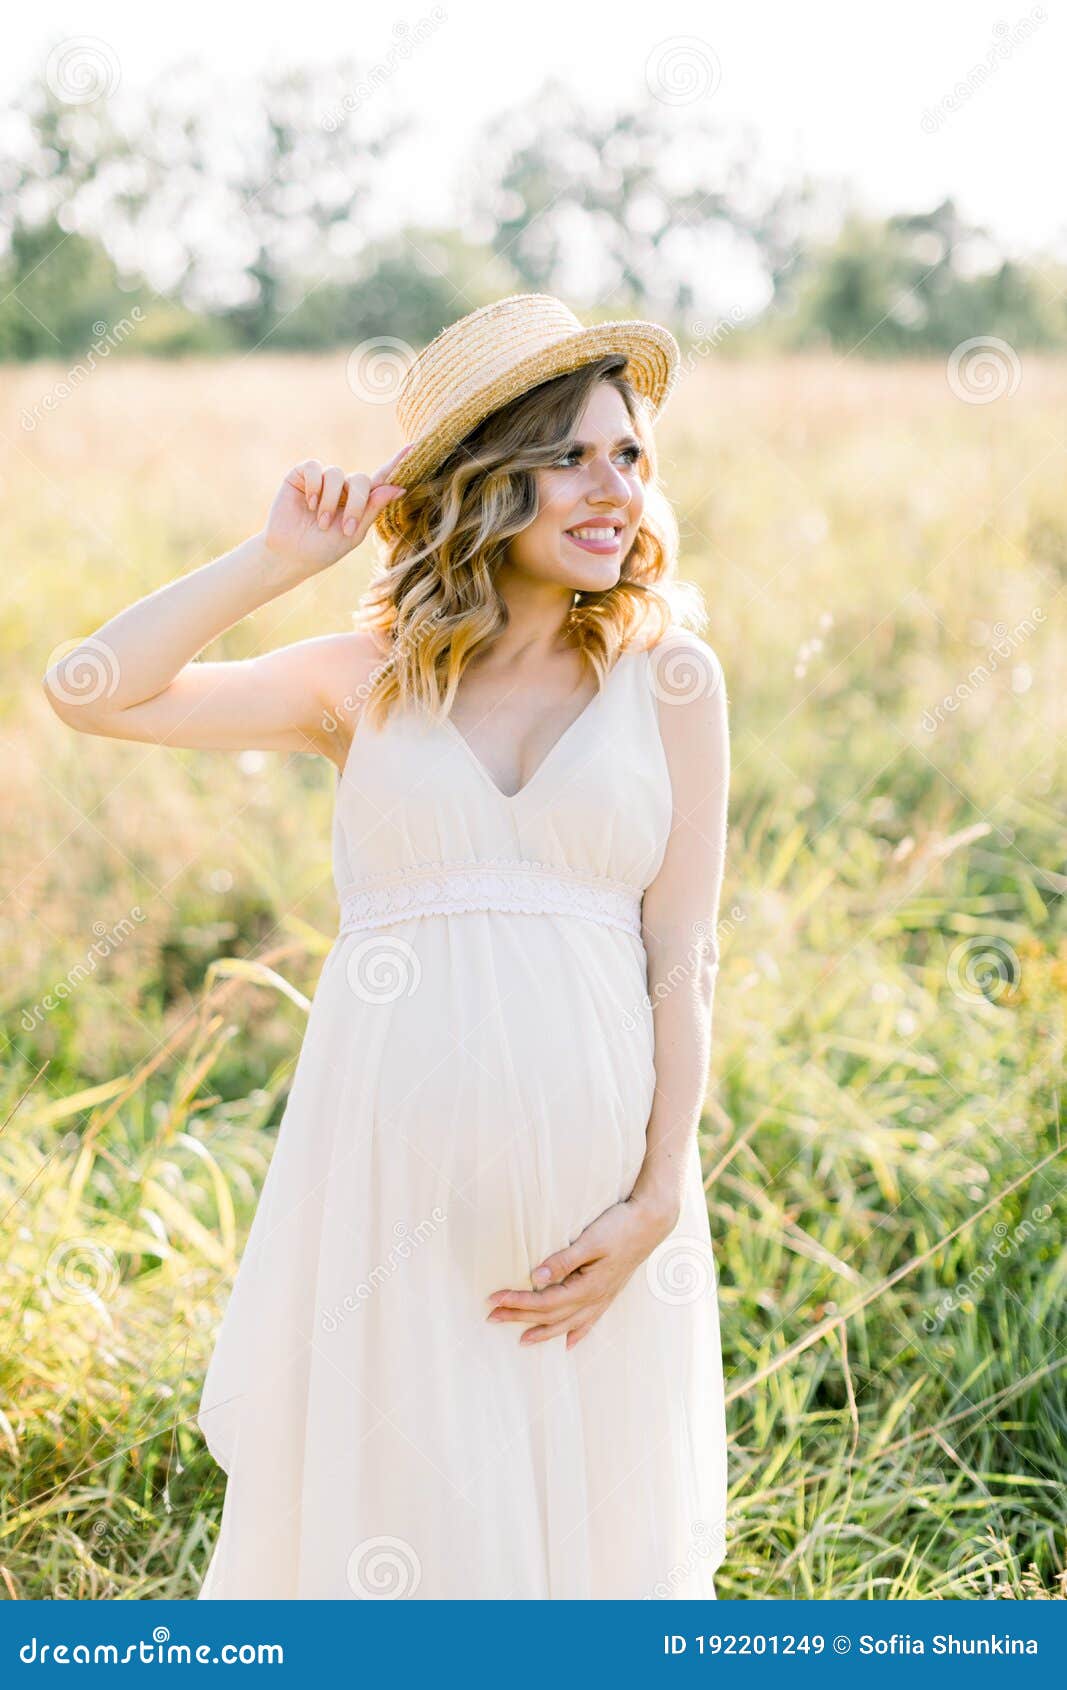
(590, 503)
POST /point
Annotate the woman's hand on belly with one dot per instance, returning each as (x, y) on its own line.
(582, 1280)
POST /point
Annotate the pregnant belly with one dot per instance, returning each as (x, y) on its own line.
(513, 1077)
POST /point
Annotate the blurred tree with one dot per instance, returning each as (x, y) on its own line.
(408, 289)
(635, 209)
(920, 282)
(217, 203)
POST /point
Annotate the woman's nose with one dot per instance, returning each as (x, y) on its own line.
(609, 485)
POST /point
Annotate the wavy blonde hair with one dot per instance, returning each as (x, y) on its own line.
(433, 601)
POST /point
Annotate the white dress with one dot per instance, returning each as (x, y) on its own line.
(473, 1090)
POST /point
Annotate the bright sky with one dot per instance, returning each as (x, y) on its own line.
(837, 87)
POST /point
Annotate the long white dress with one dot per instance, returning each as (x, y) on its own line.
(473, 1090)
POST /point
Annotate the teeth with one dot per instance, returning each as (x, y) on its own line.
(592, 533)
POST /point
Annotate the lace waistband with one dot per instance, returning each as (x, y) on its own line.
(514, 888)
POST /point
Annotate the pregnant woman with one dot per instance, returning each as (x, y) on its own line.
(472, 1349)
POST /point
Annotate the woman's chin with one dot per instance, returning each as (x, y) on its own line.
(593, 575)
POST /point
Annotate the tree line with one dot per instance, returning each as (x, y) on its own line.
(188, 224)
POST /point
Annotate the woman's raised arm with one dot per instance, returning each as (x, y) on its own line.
(135, 677)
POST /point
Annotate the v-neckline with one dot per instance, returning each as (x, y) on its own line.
(569, 730)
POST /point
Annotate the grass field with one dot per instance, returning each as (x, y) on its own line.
(884, 565)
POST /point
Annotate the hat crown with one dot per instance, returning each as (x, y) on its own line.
(476, 351)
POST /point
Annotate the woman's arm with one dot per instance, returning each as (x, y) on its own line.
(680, 912)
(135, 677)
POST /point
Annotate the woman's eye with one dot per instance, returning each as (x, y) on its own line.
(630, 454)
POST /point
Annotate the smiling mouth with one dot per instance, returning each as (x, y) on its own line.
(596, 536)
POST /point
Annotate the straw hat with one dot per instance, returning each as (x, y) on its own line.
(502, 350)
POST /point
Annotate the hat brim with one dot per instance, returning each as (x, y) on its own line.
(652, 364)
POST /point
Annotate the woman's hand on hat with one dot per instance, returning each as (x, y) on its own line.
(319, 513)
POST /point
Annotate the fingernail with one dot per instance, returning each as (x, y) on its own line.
(540, 1275)
(350, 528)
(324, 520)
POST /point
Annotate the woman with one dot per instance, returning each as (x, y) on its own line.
(472, 1349)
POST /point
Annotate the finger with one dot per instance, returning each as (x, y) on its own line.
(310, 473)
(557, 1302)
(332, 482)
(386, 469)
(377, 499)
(577, 1333)
(542, 1334)
(532, 1300)
(557, 1267)
(355, 491)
